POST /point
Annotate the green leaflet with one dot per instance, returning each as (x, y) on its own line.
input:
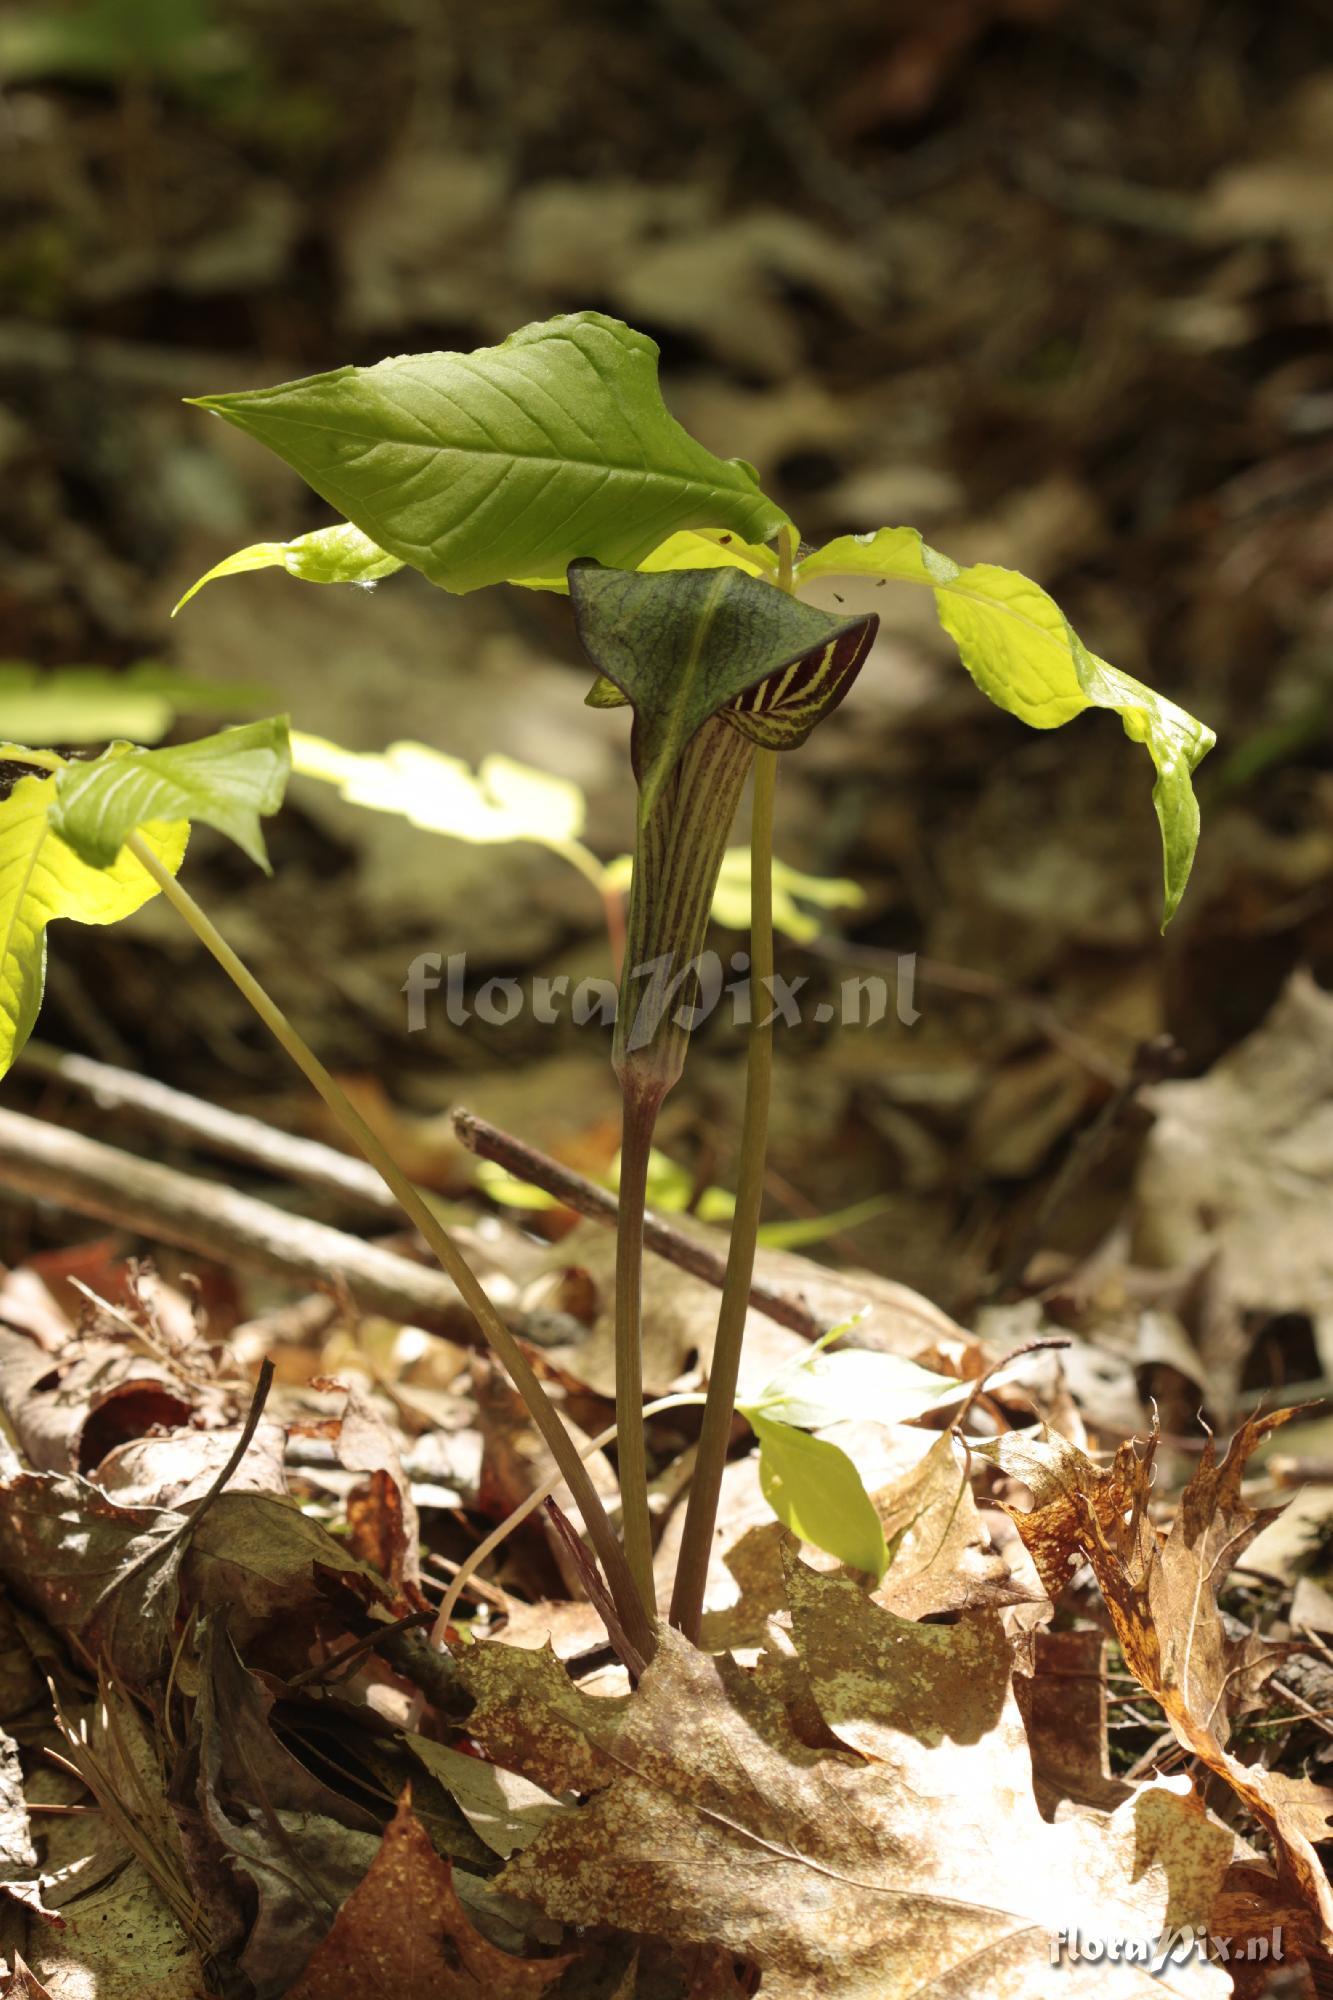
(691, 548)
(809, 1482)
(502, 800)
(822, 1387)
(731, 897)
(685, 645)
(511, 461)
(41, 879)
(1021, 650)
(227, 781)
(91, 704)
(791, 888)
(815, 1490)
(341, 554)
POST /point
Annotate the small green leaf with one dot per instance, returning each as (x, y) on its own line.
(340, 554)
(798, 1232)
(508, 462)
(691, 548)
(685, 645)
(91, 704)
(41, 879)
(827, 1386)
(1021, 650)
(227, 781)
(791, 888)
(815, 1490)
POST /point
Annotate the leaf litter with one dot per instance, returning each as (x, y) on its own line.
(856, 1787)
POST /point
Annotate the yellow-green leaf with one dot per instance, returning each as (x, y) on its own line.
(41, 879)
(815, 1490)
(1021, 650)
(228, 781)
(340, 554)
(501, 800)
(690, 548)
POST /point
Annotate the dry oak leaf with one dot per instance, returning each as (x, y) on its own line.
(1161, 1591)
(1066, 1488)
(402, 1934)
(913, 1862)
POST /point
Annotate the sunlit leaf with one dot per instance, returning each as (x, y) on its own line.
(501, 800)
(92, 704)
(815, 1490)
(690, 548)
(1021, 650)
(41, 878)
(826, 1386)
(227, 781)
(791, 888)
(341, 554)
(510, 461)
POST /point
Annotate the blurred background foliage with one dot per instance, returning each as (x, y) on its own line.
(1050, 282)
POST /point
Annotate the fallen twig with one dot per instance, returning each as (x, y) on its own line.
(230, 1228)
(236, 1136)
(488, 1142)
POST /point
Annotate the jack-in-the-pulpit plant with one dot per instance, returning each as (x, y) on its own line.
(551, 462)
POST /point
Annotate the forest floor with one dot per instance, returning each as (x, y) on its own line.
(1053, 289)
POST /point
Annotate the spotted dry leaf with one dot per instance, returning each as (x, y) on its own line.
(1065, 1486)
(908, 1859)
(1161, 1591)
(403, 1933)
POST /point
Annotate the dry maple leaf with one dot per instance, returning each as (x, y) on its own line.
(1161, 1591)
(912, 1861)
(403, 1934)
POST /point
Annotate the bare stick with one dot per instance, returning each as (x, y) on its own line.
(100, 1181)
(308, 1162)
(488, 1142)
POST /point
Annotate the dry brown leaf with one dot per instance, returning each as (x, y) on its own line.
(22, 1984)
(403, 1934)
(873, 1876)
(1235, 1177)
(1161, 1591)
(1066, 1488)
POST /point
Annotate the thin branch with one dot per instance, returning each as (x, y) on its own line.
(488, 1142)
(307, 1162)
(211, 1221)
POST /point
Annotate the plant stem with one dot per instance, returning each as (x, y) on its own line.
(715, 1437)
(635, 1615)
(640, 1117)
(687, 1597)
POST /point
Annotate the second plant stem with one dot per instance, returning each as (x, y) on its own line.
(636, 1145)
(705, 1488)
(631, 1607)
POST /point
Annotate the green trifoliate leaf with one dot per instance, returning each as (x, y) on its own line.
(509, 462)
(341, 554)
(815, 1490)
(41, 878)
(1021, 650)
(227, 781)
(90, 704)
(686, 645)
